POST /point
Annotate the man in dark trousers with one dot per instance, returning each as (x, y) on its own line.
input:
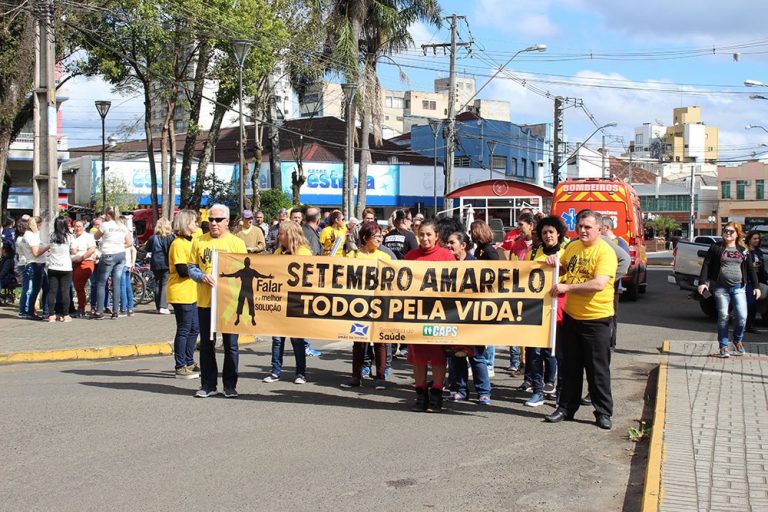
(588, 267)
(246, 275)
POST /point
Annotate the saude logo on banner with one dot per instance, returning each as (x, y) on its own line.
(357, 300)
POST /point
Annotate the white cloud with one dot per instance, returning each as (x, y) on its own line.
(632, 108)
(684, 20)
(523, 18)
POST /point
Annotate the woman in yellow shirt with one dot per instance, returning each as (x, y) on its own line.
(332, 232)
(370, 241)
(182, 295)
(291, 241)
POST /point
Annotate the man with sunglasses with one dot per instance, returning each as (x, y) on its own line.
(218, 239)
(588, 269)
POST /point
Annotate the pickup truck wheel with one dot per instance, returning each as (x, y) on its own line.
(631, 293)
(708, 307)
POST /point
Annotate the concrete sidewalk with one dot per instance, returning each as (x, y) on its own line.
(709, 449)
(145, 334)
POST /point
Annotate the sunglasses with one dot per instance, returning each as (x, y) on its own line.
(729, 231)
(217, 220)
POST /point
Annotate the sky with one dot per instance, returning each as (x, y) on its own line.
(627, 65)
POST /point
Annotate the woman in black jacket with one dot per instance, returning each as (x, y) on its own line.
(725, 273)
(756, 254)
(158, 245)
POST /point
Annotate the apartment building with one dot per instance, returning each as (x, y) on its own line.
(689, 139)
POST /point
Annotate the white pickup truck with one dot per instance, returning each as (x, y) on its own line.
(687, 259)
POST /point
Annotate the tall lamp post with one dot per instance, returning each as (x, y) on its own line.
(435, 125)
(752, 126)
(349, 160)
(240, 49)
(491, 147)
(102, 107)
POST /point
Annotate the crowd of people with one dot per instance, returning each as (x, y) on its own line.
(100, 252)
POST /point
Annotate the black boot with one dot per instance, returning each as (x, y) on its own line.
(422, 400)
(435, 400)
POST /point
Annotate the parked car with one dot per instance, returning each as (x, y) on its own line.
(707, 239)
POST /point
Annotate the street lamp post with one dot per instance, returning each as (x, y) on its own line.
(102, 107)
(752, 126)
(712, 219)
(349, 150)
(435, 125)
(240, 48)
(491, 147)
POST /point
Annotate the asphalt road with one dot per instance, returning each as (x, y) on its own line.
(126, 435)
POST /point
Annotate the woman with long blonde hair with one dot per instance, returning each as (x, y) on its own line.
(726, 270)
(290, 241)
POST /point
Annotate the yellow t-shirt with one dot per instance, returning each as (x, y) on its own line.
(579, 264)
(202, 251)
(328, 237)
(375, 255)
(302, 251)
(181, 290)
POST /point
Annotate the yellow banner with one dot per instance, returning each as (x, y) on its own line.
(322, 297)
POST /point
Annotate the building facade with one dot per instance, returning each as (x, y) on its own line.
(504, 149)
(689, 139)
(742, 194)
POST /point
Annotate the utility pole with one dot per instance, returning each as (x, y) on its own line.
(450, 129)
(45, 176)
(558, 137)
(275, 119)
(602, 167)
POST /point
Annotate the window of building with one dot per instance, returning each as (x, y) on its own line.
(499, 162)
(513, 167)
(428, 105)
(393, 102)
(407, 103)
(759, 189)
(725, 192)
(741, 186)
(399, 118)
(461, 161)
(672, 203)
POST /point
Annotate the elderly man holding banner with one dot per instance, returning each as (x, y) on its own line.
(218, 239)
(588, 267)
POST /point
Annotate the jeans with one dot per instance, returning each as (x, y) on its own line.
(514, 357)
(31, 283)
(535, 359)
(187, 329)
(586, 347)
(161, 286)
(724, 296)
(209, 370)
(110, 264)
(126, 291)
(459, 375)
(490, 356)
(59, 282)
(299, 352)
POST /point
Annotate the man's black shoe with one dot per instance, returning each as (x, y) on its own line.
(604, 422)
(558, 416)
(586, 400)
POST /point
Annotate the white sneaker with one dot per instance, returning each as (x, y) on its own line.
(270, 379)
(299, 380)
(163, 311)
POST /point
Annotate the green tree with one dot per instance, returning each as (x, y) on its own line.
(663, 225)
(117, 195)
(362, 32)
(271, 201)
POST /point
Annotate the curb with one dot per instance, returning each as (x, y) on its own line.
(653, 491)
(162, 348)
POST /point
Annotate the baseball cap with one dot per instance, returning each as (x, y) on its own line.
(247, 214)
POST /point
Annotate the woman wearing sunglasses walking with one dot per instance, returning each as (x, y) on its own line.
(726, 270)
